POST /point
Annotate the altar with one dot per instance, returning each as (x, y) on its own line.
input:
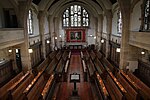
(76, 45)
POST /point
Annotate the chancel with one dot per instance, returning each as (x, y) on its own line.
(74, 49)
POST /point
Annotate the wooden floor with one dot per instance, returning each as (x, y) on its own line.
(84, 88)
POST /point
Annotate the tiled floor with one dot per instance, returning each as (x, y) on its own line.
(84, 89)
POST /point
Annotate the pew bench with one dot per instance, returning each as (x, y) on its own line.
(84, 70)
(52, 54)
(47, 87)
(17, 94)
(144, 90)
(3, 90)
(59, 54)
(18, 83)
(91, 68)
(32, 92)
(92, 55)
(51, 67)
(113, 90)
(65, 55)
(65, 75)
(131, 93)
(102, 87)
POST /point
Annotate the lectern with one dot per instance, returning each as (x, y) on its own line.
(74, 78)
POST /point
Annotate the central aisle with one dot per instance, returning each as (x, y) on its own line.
(84, 89)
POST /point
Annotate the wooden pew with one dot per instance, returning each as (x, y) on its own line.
(27, 93)
(44, 63)
(91, 68)
(66, 70)
(52, 54)
(65, 55)
(51, 67)
(98, 54)
(113, 90)
(47, 87)
(3, 90)
(131, 93)
(17, 94)
(144, 90)
(18, 83)
(81, 53)
(60, 67)
(69, 56)
(99, 66)
(102, 87)
(107, 64)
(84, 70)
(92, 55)
(86, 55)
(59, 54)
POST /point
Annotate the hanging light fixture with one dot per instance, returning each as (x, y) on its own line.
(94, 37)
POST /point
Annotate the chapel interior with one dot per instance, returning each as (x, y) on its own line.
(74, 49)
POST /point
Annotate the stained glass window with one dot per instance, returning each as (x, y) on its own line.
(119, 26)
(75, 16)
(146, 26)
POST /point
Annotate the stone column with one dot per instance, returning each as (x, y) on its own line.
(50, 33)
(108, 14)
(128, 53)
(56, 30)
(22, 15)
(41, 17)
(100, 29)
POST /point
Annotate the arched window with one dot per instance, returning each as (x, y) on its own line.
(146, 19)
(30, 23)
(119, 24)
(75, 16)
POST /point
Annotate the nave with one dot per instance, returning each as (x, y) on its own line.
(84, 88)
(99, 80)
